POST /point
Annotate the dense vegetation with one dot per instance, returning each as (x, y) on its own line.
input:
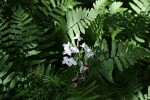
(74, 50)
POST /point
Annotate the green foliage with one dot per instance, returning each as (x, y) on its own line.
(141, 96)
(8, 78)
(56, 8)
(52, 84)
(32, 34)
(140, 6)
(124, 87)
(114, 7)
(100, 5)
(19, 34)
(78, 20)
(46, 86)
(85, 92)
(120, 55)
(124, 27)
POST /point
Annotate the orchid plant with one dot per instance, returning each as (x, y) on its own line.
(75, 55)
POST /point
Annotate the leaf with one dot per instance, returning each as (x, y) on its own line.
(107, 69)
(41, 69)
(113, 49)
(139, 3)
(120, 48)
(2, 27)
(33, 52)
(76, 29)
(130, 59)
(48, 70)
(116, 7)
(124, 62)
(121, 56)
(43, 10)
(104, 46)
(5, 69)
(34, 62)
(8, 78)
(118, 63)
(91, 87)
(81, 28)
(13, 83)
(78, 20)
(1, 81)
(3, 60)
(140, 6)
(139, 39)
(148, 91)
(27, 21)
(53, 3)
(100, 4)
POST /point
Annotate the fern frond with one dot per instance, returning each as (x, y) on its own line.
(122, 27)
(22, 29)
(78, 20)
(20, 35)
(116, 7)
(8, 80)
(125, 84)
(141, 96)
(3, 24)
(56, 8)
(100, 5)
(48, 82)
(121, 56)
(47, 46)
(85, 93)
(140, 6)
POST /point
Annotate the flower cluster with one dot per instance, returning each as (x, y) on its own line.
(69, 50)
(69, 61)
(87, 50)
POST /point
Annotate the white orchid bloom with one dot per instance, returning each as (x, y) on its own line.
(74, 50)
(87, 50)
(89, 53)
(67, 49)
(72, 62)
(65, 60)
(77, 37)
(84, 46)
(69, 61)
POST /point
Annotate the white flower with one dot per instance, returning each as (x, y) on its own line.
(66, 45)
(65, 60)
(68, 52)
(69, 61)
(67, 49)
(78, 37)
(89, 53)
(83, 68)
(84, 46)
(74, 50)
(87, 50)
(72, 62)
